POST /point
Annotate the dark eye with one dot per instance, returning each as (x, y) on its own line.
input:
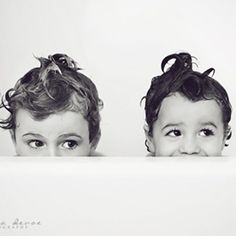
(70, 144)
(206, 132)
(36, 144)
(174, 133)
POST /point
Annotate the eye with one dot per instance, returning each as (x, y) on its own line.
(70, 144)
(36, 144)
(174, 133)
(206, 132)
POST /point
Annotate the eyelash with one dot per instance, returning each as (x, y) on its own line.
(207, 132)
(37, 144)
(75, 144)
(34, 141)
(176, 132)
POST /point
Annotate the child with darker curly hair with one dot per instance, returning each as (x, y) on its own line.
(187, 112)
(54, 110)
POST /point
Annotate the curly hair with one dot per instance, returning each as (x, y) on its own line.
(181, 78)
(54, 87)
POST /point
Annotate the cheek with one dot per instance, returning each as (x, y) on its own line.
(213, 151)
(213, 147)
(82, 150)
(81, 153)
(164, 147)
(22, 149)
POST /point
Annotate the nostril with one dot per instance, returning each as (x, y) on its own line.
(190, 153)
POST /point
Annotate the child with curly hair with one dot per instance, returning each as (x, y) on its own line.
(187, 112)
(53, 110)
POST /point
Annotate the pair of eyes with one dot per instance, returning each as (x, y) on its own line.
(177, 132)
(67, 144)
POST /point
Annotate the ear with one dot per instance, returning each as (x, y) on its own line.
(94, 143)
(149, 139)
(227, 136)
(92, 148)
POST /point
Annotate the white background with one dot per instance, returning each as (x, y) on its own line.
(120, 45)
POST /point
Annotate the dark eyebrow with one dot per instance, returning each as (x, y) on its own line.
(171, 125)
(33, 134)
(209, 123)
(64, 136)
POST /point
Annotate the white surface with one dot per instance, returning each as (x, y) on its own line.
(120, 44)
(119, 196)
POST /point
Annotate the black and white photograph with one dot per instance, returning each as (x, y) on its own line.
(117, 117)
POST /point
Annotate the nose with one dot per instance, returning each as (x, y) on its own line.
(53, 151)
(189, 146)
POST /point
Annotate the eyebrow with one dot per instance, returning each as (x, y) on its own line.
(177, 124)
(209, 123)
(69, 135)
(171, 125)
(61, 136)
(32, 134)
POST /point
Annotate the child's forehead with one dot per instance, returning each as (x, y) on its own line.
(61, 117)
(179, 107)
(53, 126)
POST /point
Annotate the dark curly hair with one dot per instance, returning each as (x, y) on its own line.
(181, 78)
(55, 86)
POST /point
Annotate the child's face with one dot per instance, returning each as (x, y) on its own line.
(60, 134)
(184, 127)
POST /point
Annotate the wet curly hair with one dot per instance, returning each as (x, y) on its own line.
(55, 86)
(181, 78)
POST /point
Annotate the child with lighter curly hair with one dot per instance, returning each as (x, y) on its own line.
(53, 110)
